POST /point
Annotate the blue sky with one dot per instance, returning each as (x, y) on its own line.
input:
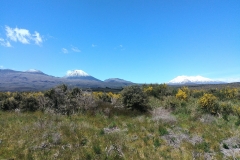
(144, 41)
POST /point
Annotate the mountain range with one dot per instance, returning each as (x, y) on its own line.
(35, 80)
(192, 80)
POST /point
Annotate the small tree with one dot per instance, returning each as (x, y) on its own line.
(133, 97)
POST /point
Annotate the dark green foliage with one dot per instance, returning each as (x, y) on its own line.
(225, 146)
(101, 132)
(204, 146)
(133, 97)
(3, 96)
(29, 104)
(9, 104)
(197, 94)
(84, 141)
(18, 97)
(76, 91)
(225, 109)
(88, 156)
(162, 130)
(171, 102)
(237, 123)
(157, 143)
(159, 90)
(97, 149)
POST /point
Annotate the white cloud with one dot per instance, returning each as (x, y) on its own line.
(5, 43)
(22, 35)
(64, 50)
(37, 38)
(121, 45)
(75, 49)
(1, 67)
(94, 45)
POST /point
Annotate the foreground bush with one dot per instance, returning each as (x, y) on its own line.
(133, 97)
(208, 103)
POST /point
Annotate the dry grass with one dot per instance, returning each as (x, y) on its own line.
(122, 135)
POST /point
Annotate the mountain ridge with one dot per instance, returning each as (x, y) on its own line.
(35, 80)
(188, 80)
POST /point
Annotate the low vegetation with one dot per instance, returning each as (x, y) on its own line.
(152, 121)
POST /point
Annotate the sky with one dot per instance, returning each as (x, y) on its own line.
(143, 41)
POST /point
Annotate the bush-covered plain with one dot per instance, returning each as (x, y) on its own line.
(152, 121)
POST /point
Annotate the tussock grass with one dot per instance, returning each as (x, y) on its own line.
(174, 129)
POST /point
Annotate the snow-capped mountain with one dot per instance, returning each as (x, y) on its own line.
(76, 73)
(34, 71)
(79, 74)
(180, 80)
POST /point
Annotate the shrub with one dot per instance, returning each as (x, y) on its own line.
(229, 93)
(9, 104)
(208, 103)
(133, 97)
(171, 102)
(197, 93)
(76, 91)
(226, 109)
(29, 104)
(181, 95)
(157, 90)
(236, 111)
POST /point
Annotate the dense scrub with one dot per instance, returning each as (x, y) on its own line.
(140, 122)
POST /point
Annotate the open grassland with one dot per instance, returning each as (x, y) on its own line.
(175, 126)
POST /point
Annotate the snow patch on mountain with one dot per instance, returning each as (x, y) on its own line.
(193, 80)
(33, 71)
(76, 73)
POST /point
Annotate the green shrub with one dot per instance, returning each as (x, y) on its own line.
(9, 104)
(133, 97)
(171, 102)
(29, 104)
(158, 90)
(226, 109)
(197, 93)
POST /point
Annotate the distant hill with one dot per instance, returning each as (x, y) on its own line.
(117, 80)
(35, 80)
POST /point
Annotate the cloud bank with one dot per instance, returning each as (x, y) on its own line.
(20, 35)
